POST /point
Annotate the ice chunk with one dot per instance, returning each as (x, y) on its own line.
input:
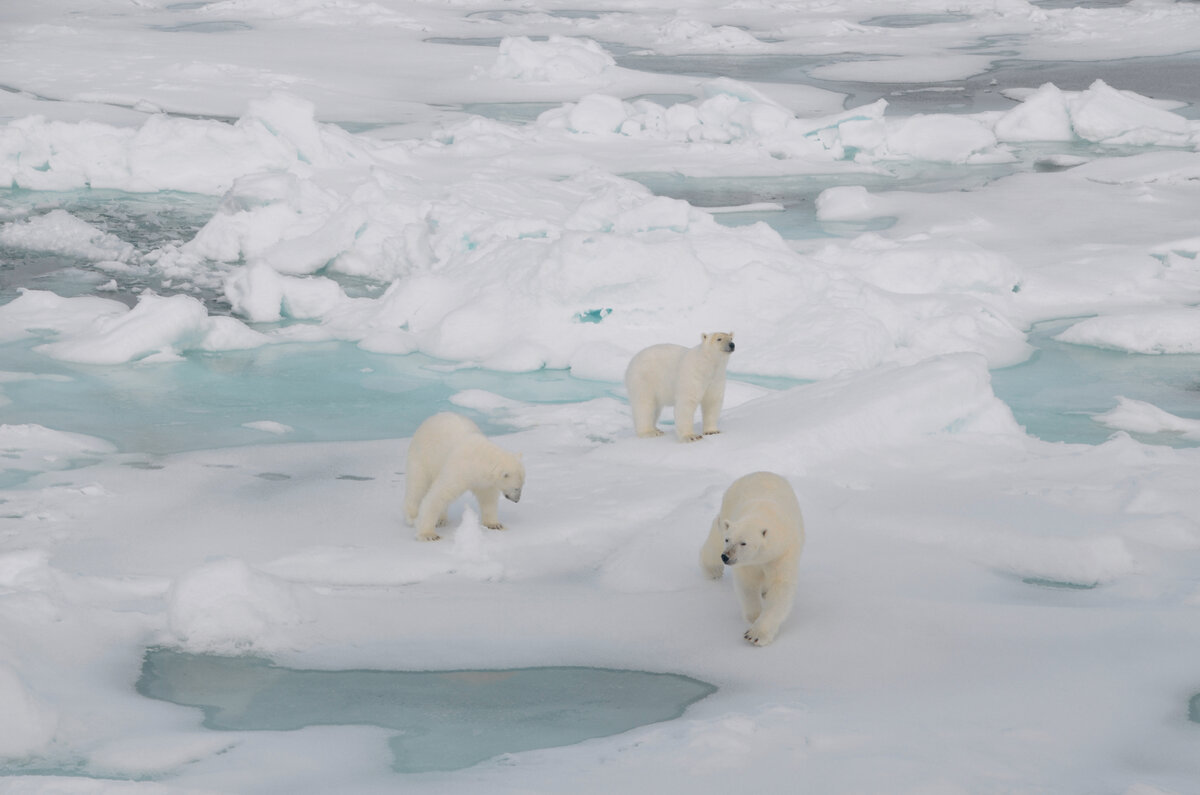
(1102, 113)
(1153, 331)
(692, 35)
(34, 448)
(157, 326)
(261, 294)
(1138, 416)
(62, 233)
(1043, 116)
(560, 59)
(226, 606)
(39, 311)
(597, 113)
(268, 426)
(847, 203)
(941, 138)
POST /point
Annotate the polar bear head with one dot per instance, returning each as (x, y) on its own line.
(508, 474)
(719, 341)
(751, 542)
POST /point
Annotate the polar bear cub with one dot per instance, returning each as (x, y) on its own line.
(672, 375)
(758, 533)
(448, 456)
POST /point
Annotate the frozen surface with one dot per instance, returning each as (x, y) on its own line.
(247, 245)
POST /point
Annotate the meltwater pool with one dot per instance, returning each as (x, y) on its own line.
(444, 720)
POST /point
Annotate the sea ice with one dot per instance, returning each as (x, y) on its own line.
(979, 609)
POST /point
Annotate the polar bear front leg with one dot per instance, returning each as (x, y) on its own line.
(489, 507)
(710, 553)
(710, 406)
(777, 604)
(749, 590)
(434, 506)
(685, 418)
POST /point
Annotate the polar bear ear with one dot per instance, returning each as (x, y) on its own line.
(703, 337)
(764, 532)
(725, 525)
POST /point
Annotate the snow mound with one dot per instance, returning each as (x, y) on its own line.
(1151, 331)
(560, 59)
(59, 232)
(1138, 416)
(228, 607)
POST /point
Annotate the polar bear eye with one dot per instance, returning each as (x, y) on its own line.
(742, 544)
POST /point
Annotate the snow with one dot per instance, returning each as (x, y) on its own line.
(558, 59)
(464, 185)
(1138, 416)
(1167, 330)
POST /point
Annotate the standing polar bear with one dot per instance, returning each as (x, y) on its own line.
(449, 455)
(759, 533)
(672, 375)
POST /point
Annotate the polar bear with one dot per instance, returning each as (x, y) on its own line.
(449, 455)
(759, 533)
(672, 375)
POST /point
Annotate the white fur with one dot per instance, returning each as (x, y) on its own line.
(759, 533)
(672, 375)
(448, 456)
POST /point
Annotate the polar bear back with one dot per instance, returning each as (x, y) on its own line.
(655, 371)
(438, 437)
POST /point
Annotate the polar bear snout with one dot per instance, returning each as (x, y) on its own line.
(512, 495)
(729, 347)
(725, 558)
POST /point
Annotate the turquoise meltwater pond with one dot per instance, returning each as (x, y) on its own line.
(444, 720)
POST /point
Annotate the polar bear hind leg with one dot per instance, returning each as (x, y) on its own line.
(434, 505)
(646, 411)
(417, 480)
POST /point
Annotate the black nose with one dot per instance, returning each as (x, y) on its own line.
(724, 558)
(731, 347)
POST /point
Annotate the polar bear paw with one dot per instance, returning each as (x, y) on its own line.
(649, 434)
(428, 537)
(759, 636)
(690, 437)
(494, 526)
(711, 433)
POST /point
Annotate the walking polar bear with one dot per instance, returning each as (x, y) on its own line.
(448, 456)
(672, 375)
(759, 533)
